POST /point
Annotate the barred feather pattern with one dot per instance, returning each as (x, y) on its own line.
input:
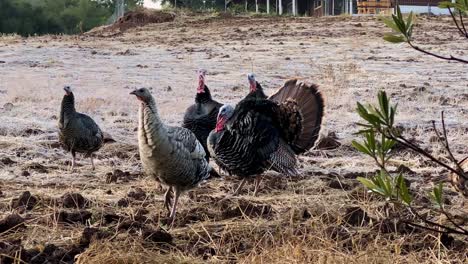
(78, 132)
(251, 142)
(173, 155)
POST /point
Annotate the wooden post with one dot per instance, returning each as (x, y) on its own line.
(256, 6)
(280, 7)
(350, 7)
(246, 6)
(268, 6)
(294, 7)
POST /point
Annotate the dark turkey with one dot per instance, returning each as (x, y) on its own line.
(78, 133)
(263, 134)
(256, 90)
(200, 118)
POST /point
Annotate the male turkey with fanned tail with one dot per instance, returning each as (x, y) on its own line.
(78, 133)
(200, 117)
(172, 154)
(262, 134)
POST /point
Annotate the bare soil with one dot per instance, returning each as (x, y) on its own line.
(116, 215)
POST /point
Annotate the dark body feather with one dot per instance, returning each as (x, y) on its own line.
(200, 118)
(78, 132)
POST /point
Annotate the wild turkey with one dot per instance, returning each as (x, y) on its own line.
(172, 154)
(256, 90)
(263, 134)
(200, 118)
(78, 132)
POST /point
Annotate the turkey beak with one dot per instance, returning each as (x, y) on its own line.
(67, 90)
(133, 92)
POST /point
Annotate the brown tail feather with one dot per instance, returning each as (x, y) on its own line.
(311, 105)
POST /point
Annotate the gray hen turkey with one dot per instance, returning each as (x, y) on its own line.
(200, 117)
(172, 154)
(78, 133)
(262, 134)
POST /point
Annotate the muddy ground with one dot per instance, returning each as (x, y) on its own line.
(115, 214)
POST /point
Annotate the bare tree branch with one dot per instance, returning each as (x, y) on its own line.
(451, 58)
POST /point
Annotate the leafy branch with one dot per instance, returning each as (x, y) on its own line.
(404, 28)
(380, 136)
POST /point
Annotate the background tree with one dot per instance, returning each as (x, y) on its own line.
(29, 17)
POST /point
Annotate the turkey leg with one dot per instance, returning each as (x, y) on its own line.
(258, 179)
(167, 199)
(174, 206)
(241, 184)
(73, 161)
(92, 162)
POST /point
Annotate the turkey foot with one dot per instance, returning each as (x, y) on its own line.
(236, 193)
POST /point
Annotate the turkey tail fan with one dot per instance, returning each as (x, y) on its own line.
(311, 106)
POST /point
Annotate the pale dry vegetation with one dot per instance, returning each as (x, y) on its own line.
(323, 216)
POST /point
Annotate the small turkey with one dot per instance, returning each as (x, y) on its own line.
(200, 118)
(78, 133)
(263, 134)
(171, 154)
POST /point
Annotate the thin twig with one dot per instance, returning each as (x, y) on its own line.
(455, 21)
(461, 161)
(423, 227)
(451, 58)
(453, 222)
(462, 23)
(413, 147)
(454, 160)
(447, 228)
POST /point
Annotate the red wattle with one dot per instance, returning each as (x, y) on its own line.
(201, 86)
(253, 87)
(219, 125)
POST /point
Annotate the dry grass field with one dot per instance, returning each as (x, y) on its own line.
(323, 216)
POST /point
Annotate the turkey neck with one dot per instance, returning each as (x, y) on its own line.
(151, 129)
(258, 93)
(68, 107)
(204, 97)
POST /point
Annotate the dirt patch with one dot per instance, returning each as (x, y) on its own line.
(90, 234)
(135, 19)
(137, 194)
(72, 217)
(39, 168)
(25, 201)
(12, 252)
(156, 235)
(7, 161)
(246, 208)
(355, 216)
(12, 221)
(74, 200)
